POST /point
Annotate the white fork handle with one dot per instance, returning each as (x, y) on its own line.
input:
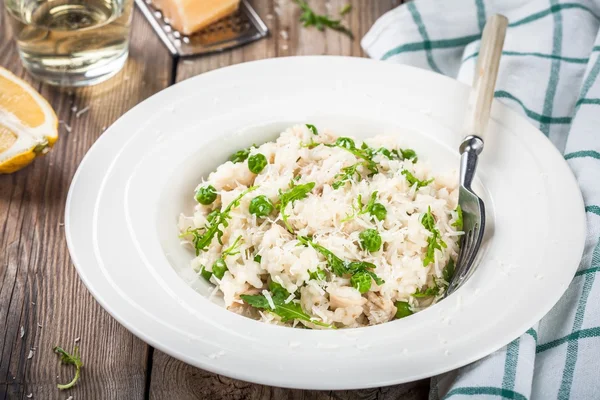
(484, 82)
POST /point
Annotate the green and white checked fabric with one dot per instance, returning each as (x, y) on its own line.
(549, 73)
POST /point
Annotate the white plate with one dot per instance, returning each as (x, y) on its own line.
(127, 193)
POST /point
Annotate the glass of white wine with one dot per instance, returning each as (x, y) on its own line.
(71, 42)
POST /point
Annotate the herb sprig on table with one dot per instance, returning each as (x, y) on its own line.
(311, 18)
(70, 359)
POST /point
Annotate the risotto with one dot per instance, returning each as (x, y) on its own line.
(319, 231)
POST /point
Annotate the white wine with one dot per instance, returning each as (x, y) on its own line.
(71, 42)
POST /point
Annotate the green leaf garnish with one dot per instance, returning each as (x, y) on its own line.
(202, 237)
(241, 155)
(297, 192)
(313, 129)
(403, 309)
(428, 292)
(310, 18)
(318, 275)
(346, 9)
(70, 359)
(434, 241)
(346, 175)
(287, 312)
(365, 152)
(335, 263)
(448, 271)
(458, 224)
(412, 180)
(340, 267)
(408, 154)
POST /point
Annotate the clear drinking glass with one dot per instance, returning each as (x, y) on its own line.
(71, 42)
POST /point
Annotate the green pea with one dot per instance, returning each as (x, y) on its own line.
(361, 281)
(205, 274)
(403, 309)
(261, 206)
(345, 142)
(370, 240)
(219, 268)
(378, 211)
(257, 163)
(206, 195)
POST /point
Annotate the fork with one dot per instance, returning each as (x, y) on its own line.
(478, 115)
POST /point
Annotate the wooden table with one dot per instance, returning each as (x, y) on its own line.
(42, 301)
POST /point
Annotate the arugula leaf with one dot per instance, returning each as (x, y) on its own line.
(313, 129)
(287, 312)
(458, 224)
(297, 192)
(403, 309)
(376, 210)
(346, 9)
(318, 275)
(278, 292)
(428, 292)
(233, 249)
(202, 240)
(310, 18)
(257, 301)
(335, 263)
(434, 241)
(408, 154)
(413, 180)
(70, 359)
(348, 173)
(365, 152)
(448, 271)
(340, 267)
(241, 155)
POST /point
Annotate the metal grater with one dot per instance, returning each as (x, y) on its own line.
(243, 26)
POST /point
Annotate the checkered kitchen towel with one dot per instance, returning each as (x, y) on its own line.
(549, 73)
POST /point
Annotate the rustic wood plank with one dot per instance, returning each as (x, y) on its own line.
(174, 379)
(39, 288)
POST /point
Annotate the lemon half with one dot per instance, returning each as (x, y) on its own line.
(28, 124)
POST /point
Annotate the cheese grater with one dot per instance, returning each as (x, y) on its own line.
(241, 27)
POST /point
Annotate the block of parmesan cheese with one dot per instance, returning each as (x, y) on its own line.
(189, 16)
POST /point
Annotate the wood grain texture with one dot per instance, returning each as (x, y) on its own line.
(39, 288)
(174, 379)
